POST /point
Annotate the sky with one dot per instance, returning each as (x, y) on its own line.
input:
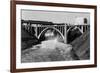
(55, 17)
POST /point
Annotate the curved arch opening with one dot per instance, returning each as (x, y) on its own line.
(51, 33)
(73, 33)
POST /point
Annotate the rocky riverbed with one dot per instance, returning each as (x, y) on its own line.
(50, 50)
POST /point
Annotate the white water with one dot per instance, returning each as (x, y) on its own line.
(53, 44)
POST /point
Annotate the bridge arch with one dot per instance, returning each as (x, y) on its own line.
(51, 28)
(72, 33)
(74, 27)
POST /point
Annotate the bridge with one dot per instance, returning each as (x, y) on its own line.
(62, 28)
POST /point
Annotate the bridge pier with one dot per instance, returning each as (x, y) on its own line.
(65, 34)
(36, 31)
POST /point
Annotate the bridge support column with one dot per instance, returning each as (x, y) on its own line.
(82, 28)
(36, 30)
(65, 34)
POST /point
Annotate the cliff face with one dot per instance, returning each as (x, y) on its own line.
(27, 39)
(81, 46)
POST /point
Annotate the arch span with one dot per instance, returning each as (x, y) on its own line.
(74, 27)
(51, 28)
(73, 33)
